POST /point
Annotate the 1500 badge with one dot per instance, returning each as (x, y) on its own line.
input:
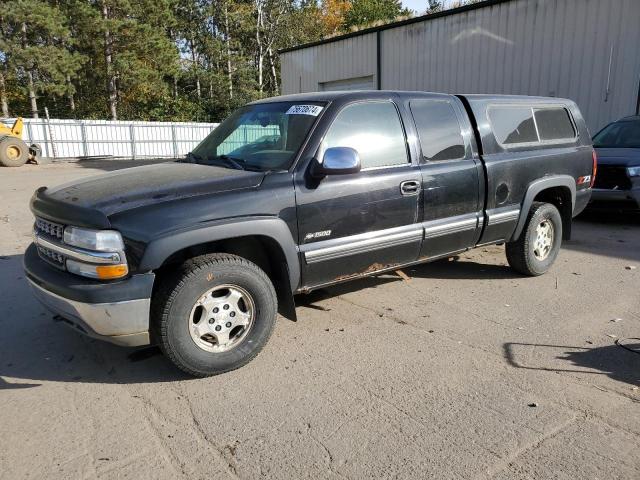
(314, 235)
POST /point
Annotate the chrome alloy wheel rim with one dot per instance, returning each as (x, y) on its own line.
(221, 318)
(544, 240)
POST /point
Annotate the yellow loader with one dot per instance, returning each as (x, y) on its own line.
(13, 151)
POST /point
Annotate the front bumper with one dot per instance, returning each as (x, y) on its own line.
(117, 312)
(123, 323)
(615, 199)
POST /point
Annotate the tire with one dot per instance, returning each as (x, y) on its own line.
(201, 296)
(13, 152)
(35, 152)
(528, 256)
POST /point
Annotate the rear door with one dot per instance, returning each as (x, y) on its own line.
(359, 223)
(451, 173)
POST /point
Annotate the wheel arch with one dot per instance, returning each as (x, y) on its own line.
(267, 242)
(559, 190)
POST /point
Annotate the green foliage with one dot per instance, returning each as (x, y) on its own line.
(35, 40)
(434, 6)
(159, 59)
(364, 12)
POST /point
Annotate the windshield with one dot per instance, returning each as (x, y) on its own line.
(262, 137)
(625, 134)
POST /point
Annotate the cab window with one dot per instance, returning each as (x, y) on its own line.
(439, 130)
(374, 130)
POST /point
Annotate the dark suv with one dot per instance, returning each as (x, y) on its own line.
(618, 182)
(293, 193)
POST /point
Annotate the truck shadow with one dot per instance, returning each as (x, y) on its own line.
(440, 269)
(612, 217)
(35, 348)
(456, 269)
(613, 361)
(611, 234)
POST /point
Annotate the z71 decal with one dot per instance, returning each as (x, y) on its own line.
(583, 180)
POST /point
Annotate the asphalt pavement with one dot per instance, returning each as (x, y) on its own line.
(466, 370)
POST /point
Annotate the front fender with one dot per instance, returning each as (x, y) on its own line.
(162, 248)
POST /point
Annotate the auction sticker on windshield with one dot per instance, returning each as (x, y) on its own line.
(313, 110)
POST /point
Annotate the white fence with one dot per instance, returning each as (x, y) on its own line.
(99, 138)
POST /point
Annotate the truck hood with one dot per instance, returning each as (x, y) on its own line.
(94, 199)
(626, 157)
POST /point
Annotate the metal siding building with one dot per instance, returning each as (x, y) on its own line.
(585, 50)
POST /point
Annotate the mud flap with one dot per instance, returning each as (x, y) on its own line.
(286, 302)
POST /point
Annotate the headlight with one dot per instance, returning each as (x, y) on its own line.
(98, 254)
(98, 240)
(633, 171)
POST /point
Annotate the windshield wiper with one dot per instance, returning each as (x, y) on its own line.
(222, 160)
(191, 158)
(237, 163)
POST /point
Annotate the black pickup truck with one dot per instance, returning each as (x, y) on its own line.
(294, 193)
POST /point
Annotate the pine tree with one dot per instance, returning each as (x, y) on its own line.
(130, 49)
(434, 6)
(35, 41)
(147, 59)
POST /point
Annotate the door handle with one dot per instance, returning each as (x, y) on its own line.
(410, 187)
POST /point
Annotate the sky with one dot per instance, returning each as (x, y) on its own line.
(419, 6)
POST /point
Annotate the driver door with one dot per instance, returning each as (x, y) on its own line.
(358, 223)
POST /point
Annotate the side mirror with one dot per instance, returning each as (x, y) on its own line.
(337, 161)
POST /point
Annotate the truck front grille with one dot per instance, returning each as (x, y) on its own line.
(51, 257)
(52, 231)
(611, 177)
(49, 229)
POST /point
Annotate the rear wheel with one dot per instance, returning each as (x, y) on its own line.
(539, 243)
(215, 314)
(13, 152)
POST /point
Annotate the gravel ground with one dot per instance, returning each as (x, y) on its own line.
(464, 371)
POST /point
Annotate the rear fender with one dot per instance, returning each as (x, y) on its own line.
(535, 188)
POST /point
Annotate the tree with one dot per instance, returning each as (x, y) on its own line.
(130, 49)
(149, 59)
(365, 12)
(3, 93)
(434, 6)
(4, 70)
(35, 40)
(333, 15)
(270, 18)
(190, 21)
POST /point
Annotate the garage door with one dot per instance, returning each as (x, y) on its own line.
(357, 83)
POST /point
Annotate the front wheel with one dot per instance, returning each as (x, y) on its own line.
(13, 152)
(539, 243)
(214, 314)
